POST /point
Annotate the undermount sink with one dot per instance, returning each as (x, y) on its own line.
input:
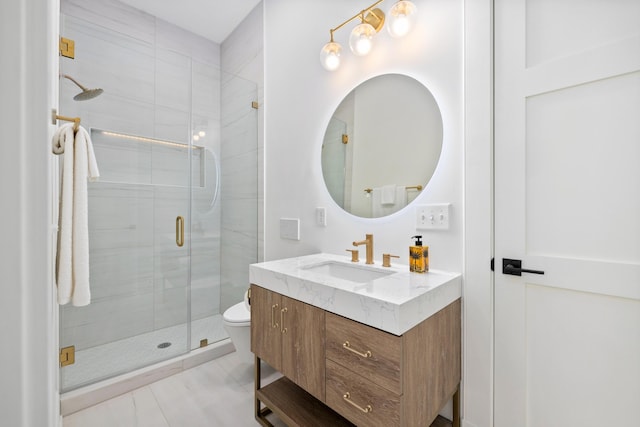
(352, 272)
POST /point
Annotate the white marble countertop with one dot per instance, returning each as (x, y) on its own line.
(394, 303)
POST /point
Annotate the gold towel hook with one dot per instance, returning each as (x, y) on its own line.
(55, 117)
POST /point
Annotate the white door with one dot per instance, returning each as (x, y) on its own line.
(567, 202)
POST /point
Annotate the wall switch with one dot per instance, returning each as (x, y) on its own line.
(432, 217)
(321, 217)
(290, 228)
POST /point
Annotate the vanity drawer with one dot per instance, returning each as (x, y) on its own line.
(359, 400)
(367, 351)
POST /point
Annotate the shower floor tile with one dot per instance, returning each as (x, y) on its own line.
(119, 357)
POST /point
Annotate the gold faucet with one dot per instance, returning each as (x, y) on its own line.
(354, 255)
(368, 241)
(386, 259)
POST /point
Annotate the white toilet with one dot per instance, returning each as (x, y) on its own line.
(237, 323)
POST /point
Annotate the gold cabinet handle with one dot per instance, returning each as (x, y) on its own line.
(274, 324)
(179, 231)
(347, 398)
(282, 328)
(347, 346)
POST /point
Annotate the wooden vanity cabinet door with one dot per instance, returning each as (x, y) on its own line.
(266, 337)
(303, 339)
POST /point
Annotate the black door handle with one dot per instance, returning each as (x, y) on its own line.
(514, 267)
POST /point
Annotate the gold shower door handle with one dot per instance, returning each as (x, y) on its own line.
(179, 231)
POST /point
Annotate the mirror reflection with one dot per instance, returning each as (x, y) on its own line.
(382, 145)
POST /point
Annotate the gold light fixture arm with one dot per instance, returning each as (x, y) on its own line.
(365, 18)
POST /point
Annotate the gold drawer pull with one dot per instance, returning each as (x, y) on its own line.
(282, 328)
(347, 346)
(274, 324)
(366, 409)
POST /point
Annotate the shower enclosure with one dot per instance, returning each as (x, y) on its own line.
(173, 218)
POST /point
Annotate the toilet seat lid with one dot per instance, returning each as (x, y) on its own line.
(237, 313)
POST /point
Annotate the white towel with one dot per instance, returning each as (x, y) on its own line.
(401, 197)
(378, 209)
(64, 276)
(72, 272)
(63, 135)
(388, 194)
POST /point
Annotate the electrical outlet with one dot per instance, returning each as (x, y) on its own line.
(432, 217)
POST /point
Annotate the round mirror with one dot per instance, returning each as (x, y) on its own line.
(382, 145)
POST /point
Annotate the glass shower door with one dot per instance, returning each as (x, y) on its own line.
(139, 216)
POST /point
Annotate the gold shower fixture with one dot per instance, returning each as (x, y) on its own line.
(372, 19)
(86, 92)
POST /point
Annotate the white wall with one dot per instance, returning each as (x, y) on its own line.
(28, 367)
(301, 97)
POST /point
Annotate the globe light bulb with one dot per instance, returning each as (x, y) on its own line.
(330, 56)
(361, 39)
(401, 18)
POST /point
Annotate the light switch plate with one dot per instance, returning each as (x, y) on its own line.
(290, 228)
(433, 217)
(321, 217)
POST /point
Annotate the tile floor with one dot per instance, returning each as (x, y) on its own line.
(218, 393)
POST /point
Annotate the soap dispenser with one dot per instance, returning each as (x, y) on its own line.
(418, 256)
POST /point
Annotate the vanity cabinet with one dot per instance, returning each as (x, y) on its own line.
(289, 335)
(375, 378)
(353, 373)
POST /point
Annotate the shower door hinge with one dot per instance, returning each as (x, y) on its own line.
(67, 356)
(67, 48)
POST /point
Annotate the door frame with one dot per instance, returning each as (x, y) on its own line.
(477, 378)
(30, 319)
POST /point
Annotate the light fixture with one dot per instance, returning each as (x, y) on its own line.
(401, 18)
(361, 39)
(330, 55)
(402, 14)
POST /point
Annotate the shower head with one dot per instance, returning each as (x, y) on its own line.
(86, 93)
